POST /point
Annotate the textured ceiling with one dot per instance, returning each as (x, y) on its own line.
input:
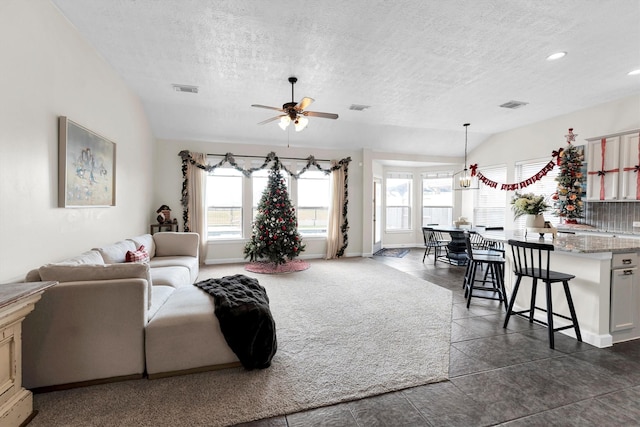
(424, 66)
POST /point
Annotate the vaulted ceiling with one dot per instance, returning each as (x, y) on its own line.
(424, 67)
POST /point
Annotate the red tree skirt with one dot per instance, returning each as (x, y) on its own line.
(264, 267)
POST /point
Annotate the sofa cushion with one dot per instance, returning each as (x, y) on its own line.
(89, 272)
(174, 276)
(116, 252)
(160, 295)
(176, 244)
(89, 257)
(185, 334)
(139, 255)
(147, 241)
(188, 262)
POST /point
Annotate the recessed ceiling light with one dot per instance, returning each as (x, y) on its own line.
(556, 55)
(634, 72)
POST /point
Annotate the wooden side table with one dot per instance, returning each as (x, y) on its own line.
(16, 301)
(165, 226)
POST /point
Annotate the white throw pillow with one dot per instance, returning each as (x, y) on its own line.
(116, 252)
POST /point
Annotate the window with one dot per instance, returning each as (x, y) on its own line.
(491, 203)
(545, 186)
(398, 201)
(314, 194)
(224, 203)
(437, 198)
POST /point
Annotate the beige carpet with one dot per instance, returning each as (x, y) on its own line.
(346, 329)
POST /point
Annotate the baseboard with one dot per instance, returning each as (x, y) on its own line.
(79, 384)
(194, 370)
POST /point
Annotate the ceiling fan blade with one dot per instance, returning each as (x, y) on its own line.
(323, 115)
(272, 119)
(267, 107)
(306, 101)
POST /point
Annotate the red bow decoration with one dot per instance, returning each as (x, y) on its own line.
(557, 153)
(473, 168)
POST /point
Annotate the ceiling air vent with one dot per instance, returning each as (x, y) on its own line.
(514, 104)
(185, 88)
(358, 107)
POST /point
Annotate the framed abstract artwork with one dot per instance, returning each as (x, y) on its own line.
(86, 167)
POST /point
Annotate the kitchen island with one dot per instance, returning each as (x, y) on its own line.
(606, 289)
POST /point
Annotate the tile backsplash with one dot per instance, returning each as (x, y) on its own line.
(612, 216)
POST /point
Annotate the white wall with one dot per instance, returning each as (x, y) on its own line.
(168, 187)
(540, 139)
(49, 71)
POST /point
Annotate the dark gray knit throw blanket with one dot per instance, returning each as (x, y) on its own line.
(242, 308)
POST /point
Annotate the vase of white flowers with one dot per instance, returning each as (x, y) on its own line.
(532, 206)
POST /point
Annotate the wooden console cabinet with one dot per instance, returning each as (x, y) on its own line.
(16, 301)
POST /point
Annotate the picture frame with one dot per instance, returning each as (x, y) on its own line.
(86, 167)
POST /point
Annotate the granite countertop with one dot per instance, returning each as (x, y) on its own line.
(578, 243)
(584, 228)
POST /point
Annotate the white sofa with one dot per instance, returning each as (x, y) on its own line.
(107, 319)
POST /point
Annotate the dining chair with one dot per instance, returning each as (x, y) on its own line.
(433, 240)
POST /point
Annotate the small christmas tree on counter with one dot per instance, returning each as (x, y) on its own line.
(275, 234)
(568, 199)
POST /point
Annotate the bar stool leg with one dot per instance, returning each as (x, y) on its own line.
(500, 280)
(512, 301)
(572, 310)
(532, 307)
(549, 314)
(469, 291)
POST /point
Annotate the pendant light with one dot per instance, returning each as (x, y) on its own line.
(465, 178)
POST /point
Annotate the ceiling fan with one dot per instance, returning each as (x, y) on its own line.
(294, 112)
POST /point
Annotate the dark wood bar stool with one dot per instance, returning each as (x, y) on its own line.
(492, 285)
(533, 260)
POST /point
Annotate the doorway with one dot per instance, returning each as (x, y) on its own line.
(377, 215)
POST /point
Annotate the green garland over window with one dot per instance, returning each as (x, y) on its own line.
(271, 157)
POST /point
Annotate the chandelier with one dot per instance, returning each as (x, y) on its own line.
(465, 178)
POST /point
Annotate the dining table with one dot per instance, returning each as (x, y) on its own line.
(457, 246)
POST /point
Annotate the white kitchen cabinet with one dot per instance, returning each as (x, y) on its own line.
(625, 297)
(611, 172)
(603, 168)
(630, 166)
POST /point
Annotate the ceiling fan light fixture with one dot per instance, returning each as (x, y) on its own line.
(300, 123)
(284, 122)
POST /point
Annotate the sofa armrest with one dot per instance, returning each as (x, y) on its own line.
(177, 244)
(83, 331)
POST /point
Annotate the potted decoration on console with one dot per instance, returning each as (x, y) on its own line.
(568, 198)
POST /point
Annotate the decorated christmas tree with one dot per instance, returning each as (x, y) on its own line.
(275, 234)
(567, 200)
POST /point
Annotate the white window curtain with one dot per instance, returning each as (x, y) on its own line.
(196, 203)
(335, 239)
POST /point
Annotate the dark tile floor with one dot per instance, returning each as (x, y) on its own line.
(498, 377)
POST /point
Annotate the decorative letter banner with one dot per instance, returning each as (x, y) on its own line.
(636, 170)
(522, 184)
(601, 173)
